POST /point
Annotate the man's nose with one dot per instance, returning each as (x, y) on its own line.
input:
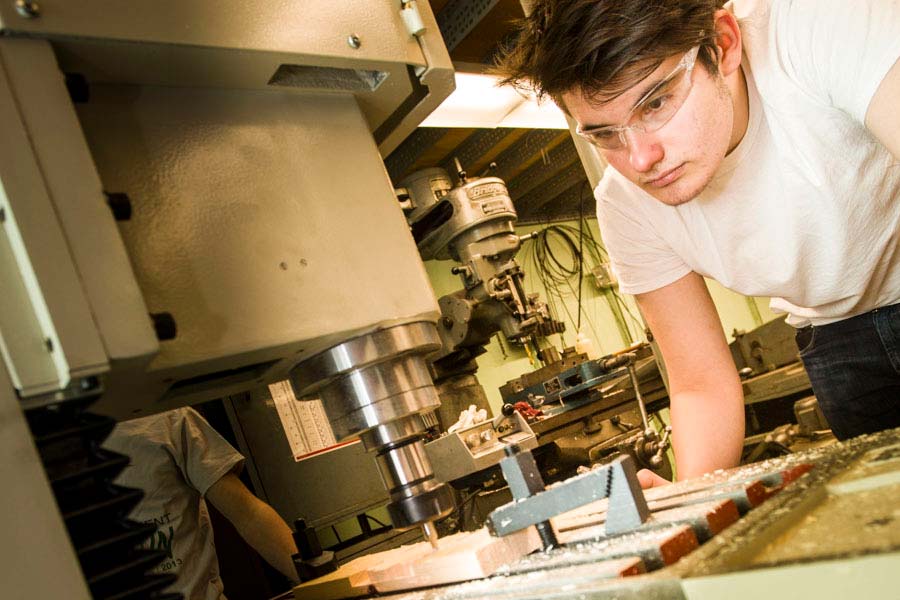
(643, 150)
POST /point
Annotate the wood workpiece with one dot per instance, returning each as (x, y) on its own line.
(459, 557)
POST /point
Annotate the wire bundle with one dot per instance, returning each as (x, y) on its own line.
(559, 254)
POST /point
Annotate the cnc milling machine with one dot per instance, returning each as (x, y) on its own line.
(178, 224)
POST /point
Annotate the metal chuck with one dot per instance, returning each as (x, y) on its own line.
(377, 386)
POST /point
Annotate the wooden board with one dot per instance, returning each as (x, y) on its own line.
(349, 581)
(459, 557)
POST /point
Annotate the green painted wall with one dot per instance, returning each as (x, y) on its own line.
(606, 321)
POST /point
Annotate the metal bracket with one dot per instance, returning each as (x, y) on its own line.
(617, 481)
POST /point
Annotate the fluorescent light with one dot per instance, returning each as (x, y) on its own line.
(479, 102)
(532, 114)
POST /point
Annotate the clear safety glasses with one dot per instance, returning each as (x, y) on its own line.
(652, 111)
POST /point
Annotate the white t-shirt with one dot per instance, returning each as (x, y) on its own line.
(806, 208)
(175, 457)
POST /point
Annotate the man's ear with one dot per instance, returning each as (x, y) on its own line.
(728, 41)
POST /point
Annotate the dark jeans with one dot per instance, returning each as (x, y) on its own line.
(854, 367)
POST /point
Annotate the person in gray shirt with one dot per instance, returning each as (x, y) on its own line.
(181, 462)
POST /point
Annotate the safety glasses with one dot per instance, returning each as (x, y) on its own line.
(652, 111)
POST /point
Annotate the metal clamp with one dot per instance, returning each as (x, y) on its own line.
(533, 505)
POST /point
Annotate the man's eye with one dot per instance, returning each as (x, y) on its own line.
(655, 104)
(603, 134)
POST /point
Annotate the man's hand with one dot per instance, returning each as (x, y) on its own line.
(649, 479)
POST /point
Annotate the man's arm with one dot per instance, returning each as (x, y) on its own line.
(882, 116)
(256, 521)
(707, 402)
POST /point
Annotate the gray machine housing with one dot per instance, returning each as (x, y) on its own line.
(224, 131)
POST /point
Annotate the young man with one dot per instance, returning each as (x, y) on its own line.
(180, 462)
(756, 144)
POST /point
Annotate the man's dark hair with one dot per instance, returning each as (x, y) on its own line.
(603, 47)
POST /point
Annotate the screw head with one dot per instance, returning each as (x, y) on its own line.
(28, 8)
(164, 325)
(353, 41)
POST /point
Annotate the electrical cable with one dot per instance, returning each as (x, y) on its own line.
(549, 268)
(557, 256)
(558, 253)
(600, 255)
(460, 508)
(470, 497)
(379, 522)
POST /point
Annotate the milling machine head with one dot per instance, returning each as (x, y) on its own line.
(377, 386)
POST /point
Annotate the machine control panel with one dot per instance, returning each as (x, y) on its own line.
(477, 447)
